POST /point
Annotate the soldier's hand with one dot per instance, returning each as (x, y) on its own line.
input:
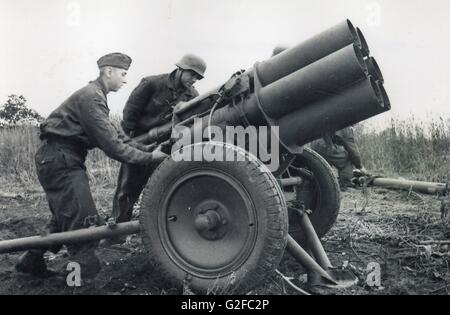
(158, 155)
(148, 148)
(364, 171)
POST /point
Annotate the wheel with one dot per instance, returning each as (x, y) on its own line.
(219, 227)
(319, 193)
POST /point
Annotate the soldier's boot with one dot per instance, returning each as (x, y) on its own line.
(32, 262)
(345, 176)
(344, 185)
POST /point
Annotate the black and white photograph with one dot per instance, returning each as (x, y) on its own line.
(247, 149)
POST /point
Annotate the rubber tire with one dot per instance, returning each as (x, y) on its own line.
(272, 222)
(327, 199)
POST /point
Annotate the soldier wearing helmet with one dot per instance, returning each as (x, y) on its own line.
(150, 105)
(154, 97)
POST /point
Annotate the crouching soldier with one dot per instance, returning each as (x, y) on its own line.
(340, 150)
(150, 105)
(80, 124)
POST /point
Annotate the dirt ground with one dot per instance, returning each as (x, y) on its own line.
(374, 226)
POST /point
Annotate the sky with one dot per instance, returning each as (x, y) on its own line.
(50, 47)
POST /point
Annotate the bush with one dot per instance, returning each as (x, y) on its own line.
(15, 112)
(410, 148)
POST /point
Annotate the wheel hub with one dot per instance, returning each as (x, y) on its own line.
(211, 223)
(208, 236)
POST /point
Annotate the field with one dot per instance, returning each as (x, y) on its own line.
(374, 226)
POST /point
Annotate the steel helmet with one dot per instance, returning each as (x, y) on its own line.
(194, 63)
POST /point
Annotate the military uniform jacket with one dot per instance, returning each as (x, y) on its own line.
(346, 138)
(151, 103)
(84, 119)
(338, 146)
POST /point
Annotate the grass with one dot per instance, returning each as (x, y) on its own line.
(410, 148)
(18, 145)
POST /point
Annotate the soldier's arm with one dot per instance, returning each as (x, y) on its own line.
(136, 103)
(328, 141)
(127, 140)
(349, 143)
(102, 133)
(327, 138)
(194, 93)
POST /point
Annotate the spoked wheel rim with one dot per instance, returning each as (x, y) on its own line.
(212, 236)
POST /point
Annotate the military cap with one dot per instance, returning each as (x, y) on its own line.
(116, 60)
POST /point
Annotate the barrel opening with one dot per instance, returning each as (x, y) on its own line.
(353, 33)
(362, 40)
(384, 95)
(374, 69)
(360, 58)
